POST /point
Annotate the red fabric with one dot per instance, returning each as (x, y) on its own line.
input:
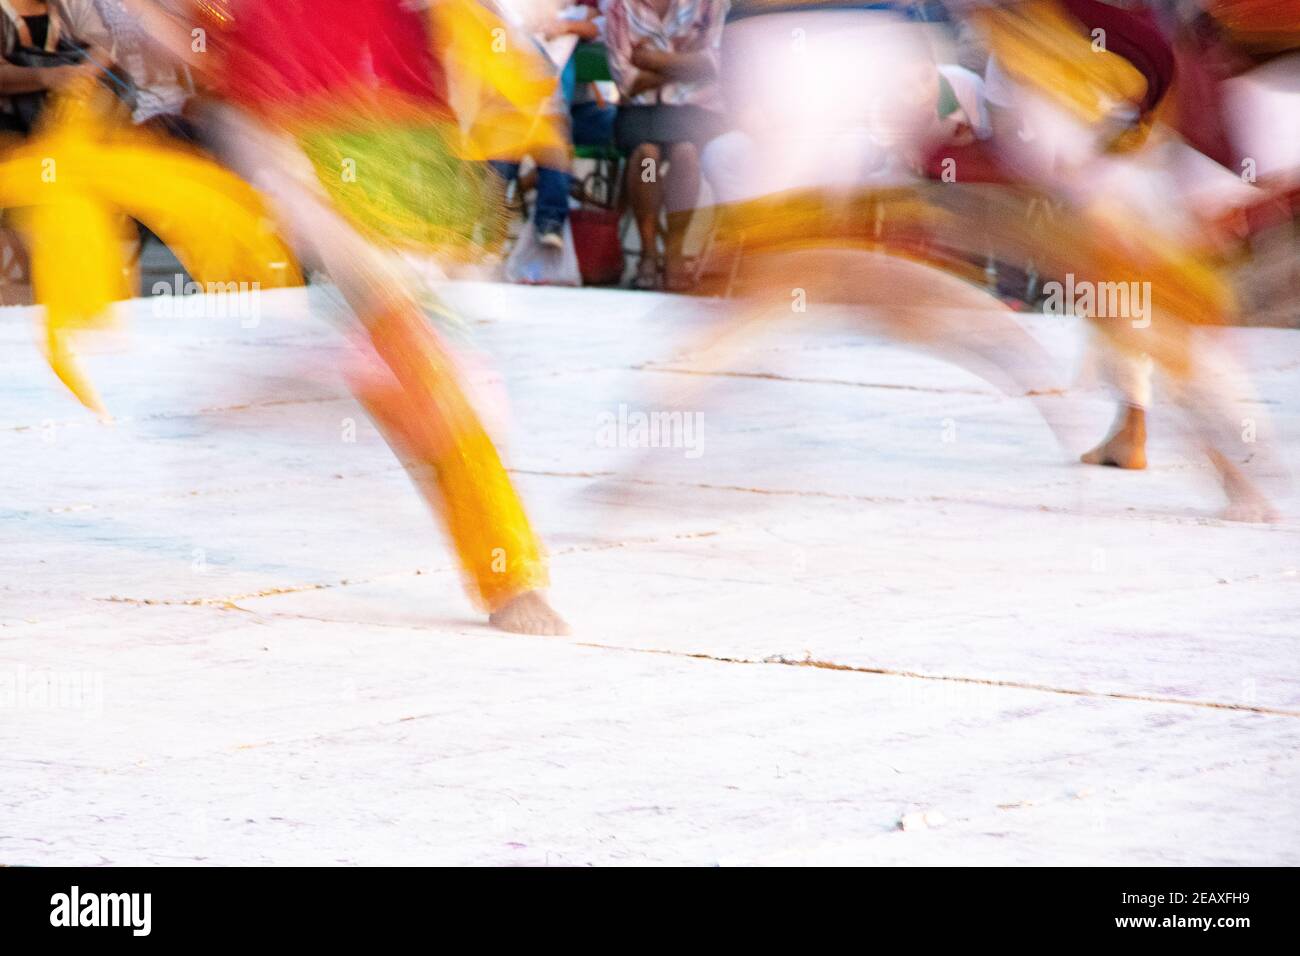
(1134, 35)
(1200, 106)
(972, 163)
(292, 52)
(596, 241)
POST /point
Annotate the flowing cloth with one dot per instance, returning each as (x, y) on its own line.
(340, 117)
(358, 85)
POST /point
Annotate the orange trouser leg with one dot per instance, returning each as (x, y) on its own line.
(420, 404)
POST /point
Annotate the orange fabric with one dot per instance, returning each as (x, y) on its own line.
(418, 400)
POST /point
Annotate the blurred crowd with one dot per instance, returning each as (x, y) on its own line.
(653, 95)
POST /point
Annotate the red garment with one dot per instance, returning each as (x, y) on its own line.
(287, 53)
(1134, 35)
(1201, 108)
(974, 162)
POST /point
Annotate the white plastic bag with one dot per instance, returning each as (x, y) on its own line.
(532, 263)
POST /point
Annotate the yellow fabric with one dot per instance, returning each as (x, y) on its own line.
(79, 179)
(511, 109)
(1184, 283)
(1042, 47)
(419, 401)
(499, 553)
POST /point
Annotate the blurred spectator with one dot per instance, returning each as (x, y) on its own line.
(578, 20)
(162, 87)
(592, 118)
(41, 44)
(664, 56)
(33, 37)
(551, 206)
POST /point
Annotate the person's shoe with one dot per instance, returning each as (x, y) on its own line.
(647, 274)
(678, 276)
(551, 236)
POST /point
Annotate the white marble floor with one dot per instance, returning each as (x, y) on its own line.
(230, 634)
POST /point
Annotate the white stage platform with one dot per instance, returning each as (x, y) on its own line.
(878, 592)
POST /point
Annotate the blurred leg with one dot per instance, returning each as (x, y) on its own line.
(1129, 374)
(645, 195)
(552, 207)
(411, 386)
(681, 192)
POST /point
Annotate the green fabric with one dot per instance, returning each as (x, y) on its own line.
(590, 63)
(948, 103)
(403, 184)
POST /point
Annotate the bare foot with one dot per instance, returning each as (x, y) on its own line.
(1256, 510)
(1245, 501)
(529, 614)
(678, 276)
(1126, 445)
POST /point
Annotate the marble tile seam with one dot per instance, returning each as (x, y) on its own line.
(776, 377)
(955, 678)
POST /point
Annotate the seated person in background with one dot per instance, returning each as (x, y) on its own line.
(578, 20)
(31, 26)
(43, 25)
(591, 116)
(551, 207)
(663, 55)
(162, 89)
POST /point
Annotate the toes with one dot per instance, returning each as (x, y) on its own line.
(1109, 456)
(529, 617)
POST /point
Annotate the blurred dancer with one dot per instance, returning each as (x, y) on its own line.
(831, 131)
(831, 108)
(1088, 134)
(1134, 57)
(327, 107)
(339, 79)
(1178, 185)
